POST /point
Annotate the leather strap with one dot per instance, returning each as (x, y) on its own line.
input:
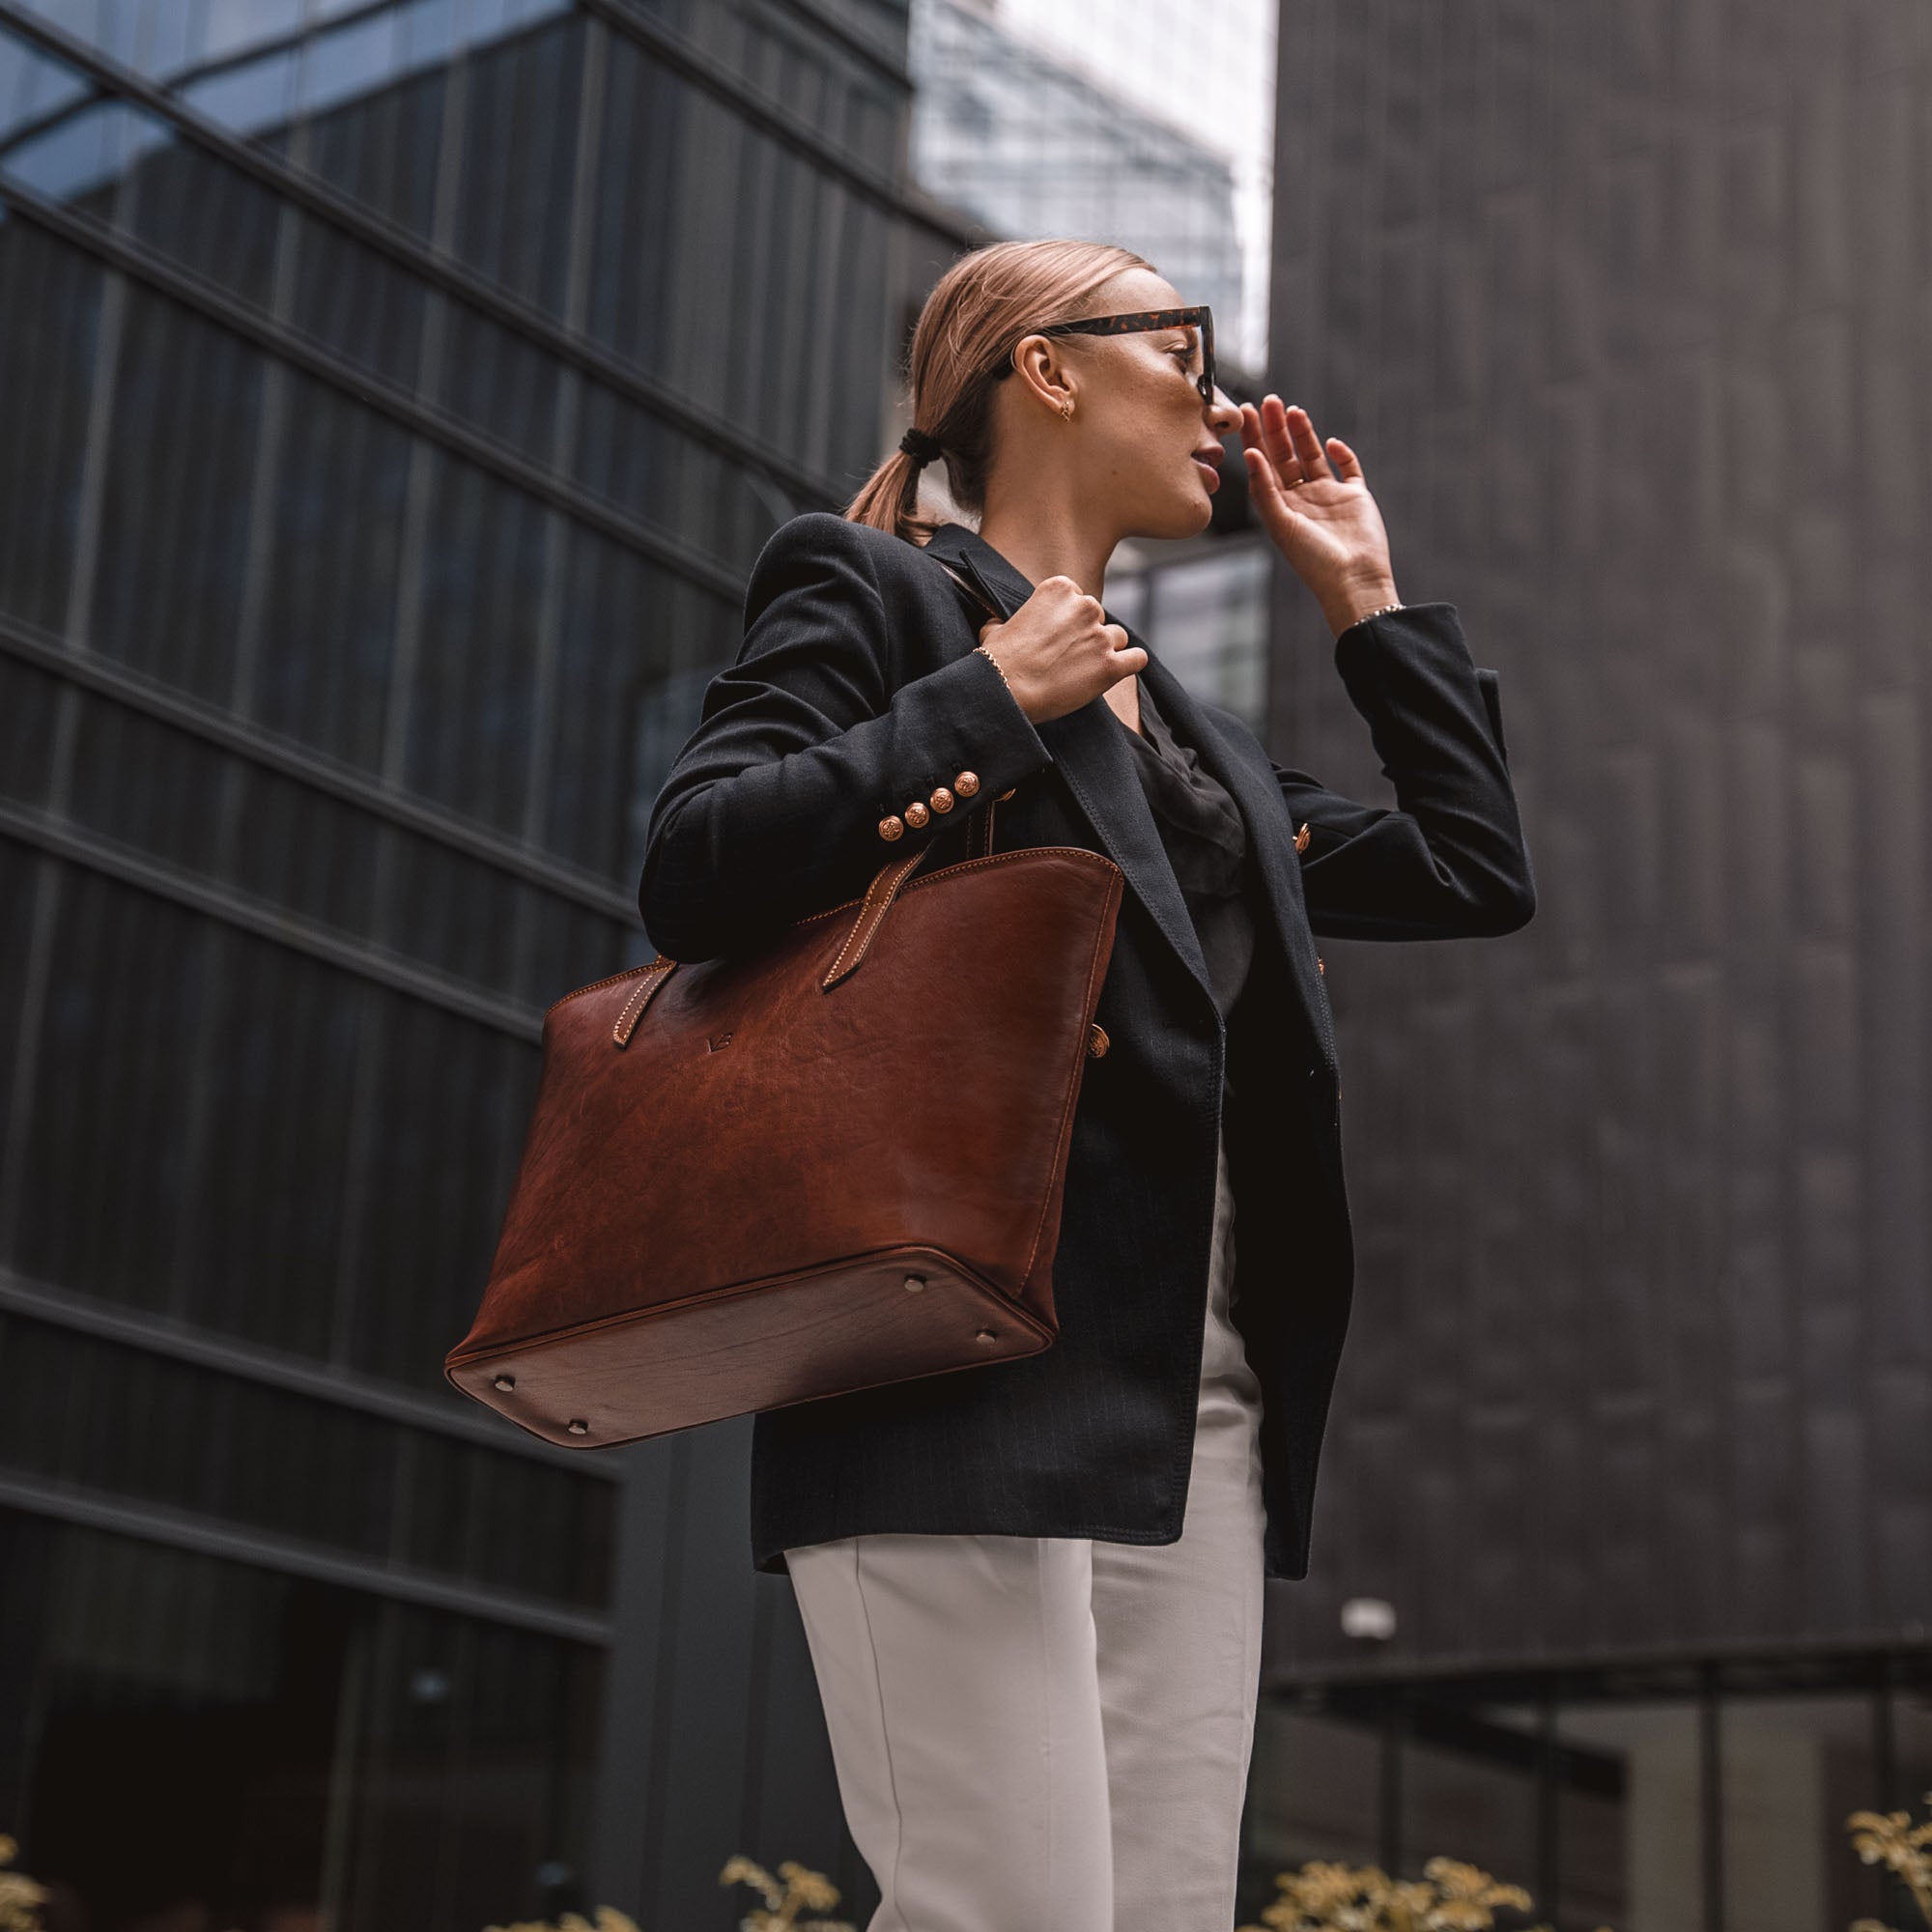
(981, 844)
(880, 895)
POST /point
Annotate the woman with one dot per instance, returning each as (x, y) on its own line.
(1033, 1590)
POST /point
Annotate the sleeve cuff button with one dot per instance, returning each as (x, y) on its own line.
(891, 827)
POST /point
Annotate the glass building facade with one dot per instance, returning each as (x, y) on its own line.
(1033, 145)
(396, 395)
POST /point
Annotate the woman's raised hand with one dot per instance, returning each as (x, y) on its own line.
(1320, 515)
(1055, 651)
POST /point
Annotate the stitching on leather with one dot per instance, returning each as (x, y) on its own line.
(960, 865)
(609, 979)
(847, 905)
(885, 906)
(869, 919)
(633, 1007)
(621, 1032)
(878, 898)
(865, 906)
(900, 1253)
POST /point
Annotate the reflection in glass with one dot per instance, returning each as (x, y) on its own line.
(71, 155)
(1206, 618)
(231, 1747)
(1313, 1793)
(1469, 1789)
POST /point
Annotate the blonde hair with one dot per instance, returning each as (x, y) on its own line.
(977, 311)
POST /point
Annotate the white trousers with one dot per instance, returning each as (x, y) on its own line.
(1052, 1733)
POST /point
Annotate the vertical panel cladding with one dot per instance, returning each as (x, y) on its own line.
(511, 196)
(47, 330)
(28, 700)
(1715, 1047)
(329, 603)
(364, 307)
(99, 1199)
(226, 1131)
(483, 559)
(173, 502)
(440, 1106)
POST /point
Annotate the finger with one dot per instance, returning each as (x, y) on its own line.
(1347, 463)
(1272, 504)
(1307, 444)
(1276, 440)
(1251, 427)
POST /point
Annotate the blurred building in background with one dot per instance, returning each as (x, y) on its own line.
(1032, 145)
(1624, 309)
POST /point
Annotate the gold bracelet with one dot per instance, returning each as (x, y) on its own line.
(1382, 612)
(995, 663)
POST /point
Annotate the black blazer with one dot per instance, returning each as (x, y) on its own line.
(858, 690)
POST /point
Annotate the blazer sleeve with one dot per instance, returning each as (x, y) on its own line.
(772, 809)
(1449, 859)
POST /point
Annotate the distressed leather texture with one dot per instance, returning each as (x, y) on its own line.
(737, 1191)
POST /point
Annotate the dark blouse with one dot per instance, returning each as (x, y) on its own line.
(1207, 843)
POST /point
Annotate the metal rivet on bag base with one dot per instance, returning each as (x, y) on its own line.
(506, 1384)
(914, 1283)
(580, 1428)
(986, 1335)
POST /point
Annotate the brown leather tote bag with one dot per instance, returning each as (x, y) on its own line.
(836, 1163)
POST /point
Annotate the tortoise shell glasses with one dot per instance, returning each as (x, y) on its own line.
(1132, 323)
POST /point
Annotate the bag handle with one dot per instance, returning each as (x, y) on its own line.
(983, 827)
(880, 895)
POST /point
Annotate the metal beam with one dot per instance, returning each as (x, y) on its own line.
(247, 1361)
(302, 352)
(155, 699)
(66, 840)
(433, 265)
(261, 1550)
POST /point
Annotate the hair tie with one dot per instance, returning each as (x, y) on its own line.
(919, 446)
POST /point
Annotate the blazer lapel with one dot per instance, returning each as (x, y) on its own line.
(1090, 750)
(1271, 836)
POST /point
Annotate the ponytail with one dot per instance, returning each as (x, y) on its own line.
(977, 311)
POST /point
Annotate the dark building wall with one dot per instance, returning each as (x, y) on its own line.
(393, 411)
(1625, 307)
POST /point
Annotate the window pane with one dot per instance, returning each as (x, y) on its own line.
(1637, 1859)
(191, 1740)
(1793, 1767)
(1313, 1793)
(1469, 1787)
